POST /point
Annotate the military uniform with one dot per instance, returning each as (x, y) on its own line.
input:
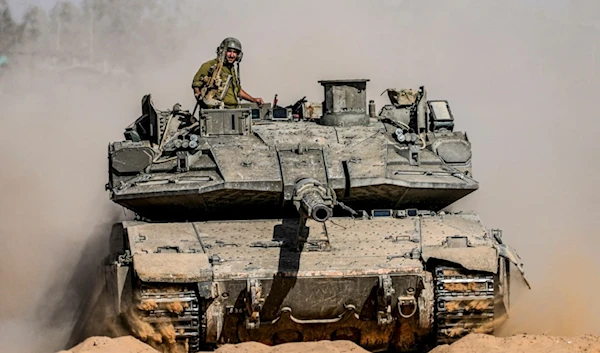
(231, 96)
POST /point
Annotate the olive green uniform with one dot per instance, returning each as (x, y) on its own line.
(231, 97)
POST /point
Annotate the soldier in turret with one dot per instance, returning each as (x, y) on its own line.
(217, 82)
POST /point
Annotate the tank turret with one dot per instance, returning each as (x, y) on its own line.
(233, 163)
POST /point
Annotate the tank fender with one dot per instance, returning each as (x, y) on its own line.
(173, 267)
(122, 279)
(511, 255)
(116, 277)
(472, 258)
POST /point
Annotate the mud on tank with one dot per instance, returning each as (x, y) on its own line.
(254, 225)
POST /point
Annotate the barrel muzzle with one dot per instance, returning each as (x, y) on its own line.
(313, 200)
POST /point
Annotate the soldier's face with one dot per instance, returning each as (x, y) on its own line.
(231, 55)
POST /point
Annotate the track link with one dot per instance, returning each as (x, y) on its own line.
(162, 306)
(464, 303)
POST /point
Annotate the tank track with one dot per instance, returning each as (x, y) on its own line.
(464, 303)
(174, 305)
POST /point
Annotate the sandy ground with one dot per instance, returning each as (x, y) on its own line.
(129, 344)
(311, 347)
(474, 343)
(126, 344)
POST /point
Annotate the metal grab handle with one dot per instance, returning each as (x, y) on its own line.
(400, 305)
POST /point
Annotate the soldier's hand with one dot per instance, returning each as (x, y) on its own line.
(197, 93)
(259, 101)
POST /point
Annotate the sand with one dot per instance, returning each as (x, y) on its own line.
(474, 343)
(523, 343)
(129, 344)
(126, 344)
(310, 347)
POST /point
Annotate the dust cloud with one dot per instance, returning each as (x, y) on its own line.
(521, 78)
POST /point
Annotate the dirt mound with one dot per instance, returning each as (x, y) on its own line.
(476, 343)
(303, 347)
(129, 344)
(126, 344)
(473, 343)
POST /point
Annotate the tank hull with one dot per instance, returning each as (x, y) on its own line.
(379, 282)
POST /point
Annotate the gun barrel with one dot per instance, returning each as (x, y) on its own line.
(313, 206)
(312, 200)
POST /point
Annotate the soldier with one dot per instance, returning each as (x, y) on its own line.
(230, 52)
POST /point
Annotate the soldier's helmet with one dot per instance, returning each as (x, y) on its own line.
(231, 43)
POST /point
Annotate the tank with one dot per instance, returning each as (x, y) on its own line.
(255, 224)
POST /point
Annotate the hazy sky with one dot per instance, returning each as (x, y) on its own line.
(557, 9)
(18, 7)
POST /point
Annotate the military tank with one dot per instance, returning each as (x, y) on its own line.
(255, 224)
